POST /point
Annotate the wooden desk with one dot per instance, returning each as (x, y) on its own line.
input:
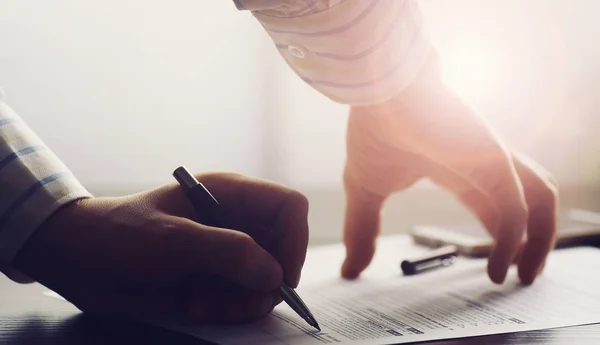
(29, 317)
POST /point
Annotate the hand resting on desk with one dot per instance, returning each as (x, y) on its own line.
(429, 132)
(142, 255)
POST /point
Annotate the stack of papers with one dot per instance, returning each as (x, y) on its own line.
(385, 307)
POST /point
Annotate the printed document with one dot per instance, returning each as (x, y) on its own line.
(385, 307)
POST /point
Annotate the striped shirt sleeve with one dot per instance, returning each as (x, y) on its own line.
(34, 183)
(357, 52)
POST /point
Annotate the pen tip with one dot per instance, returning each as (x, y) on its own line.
(311, 321)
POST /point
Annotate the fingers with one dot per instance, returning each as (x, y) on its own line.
(435, 124)
(463, 142)
(274, 216)
(541, 195)
(475, 200)
(495, 195)
(439, 126)
(250, 202)
(230, 254)
(362, 219)
(247, 199)
(479, 158)
(524, 197)
(291, 230)
(361, 227)
(483, 208)
(498, 179)
(374, 170)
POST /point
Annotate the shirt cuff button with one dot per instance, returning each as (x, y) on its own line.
(297, 52)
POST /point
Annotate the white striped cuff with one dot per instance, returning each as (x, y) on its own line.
(357, 52)
(34, 184)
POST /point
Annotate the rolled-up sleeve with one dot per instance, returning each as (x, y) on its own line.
(34, 183)
(357, 52)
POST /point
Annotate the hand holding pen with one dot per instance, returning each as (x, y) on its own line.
(210, 212)
(143, 255)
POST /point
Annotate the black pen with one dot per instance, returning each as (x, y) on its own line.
(208, 207)
(437, 258)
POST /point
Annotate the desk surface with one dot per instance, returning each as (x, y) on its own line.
(29, 317)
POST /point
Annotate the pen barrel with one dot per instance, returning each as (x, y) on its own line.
(437, 258)
(292, 299)
(432, 259)
(439, 253)
(206, 206)
(413, 268)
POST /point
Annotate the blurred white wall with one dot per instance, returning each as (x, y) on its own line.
(126, 90)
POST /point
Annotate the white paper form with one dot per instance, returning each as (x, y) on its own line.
(384, 307)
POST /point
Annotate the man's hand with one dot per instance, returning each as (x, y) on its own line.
(143, 255)
(429, 132)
